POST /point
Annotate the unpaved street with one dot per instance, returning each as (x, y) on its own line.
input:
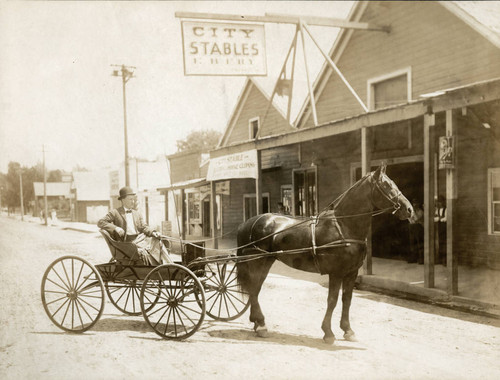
(398, 339)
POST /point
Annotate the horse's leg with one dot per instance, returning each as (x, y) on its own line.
(347, 288)
(259, 270)
(333, 294)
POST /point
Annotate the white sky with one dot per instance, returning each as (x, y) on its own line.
(56, 86)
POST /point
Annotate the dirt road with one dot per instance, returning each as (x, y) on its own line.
(398, 339)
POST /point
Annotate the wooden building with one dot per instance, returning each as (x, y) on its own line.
(434, 74)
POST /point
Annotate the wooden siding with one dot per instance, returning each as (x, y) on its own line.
(442, 51)
(185, 167)
(478, 151)
(255, 106)
(232, 205)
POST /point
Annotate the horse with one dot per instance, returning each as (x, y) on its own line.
(333, 243)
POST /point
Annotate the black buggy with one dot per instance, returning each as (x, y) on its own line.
(173, 298)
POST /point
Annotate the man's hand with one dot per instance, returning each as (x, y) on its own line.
(120, 231)
(155, 234)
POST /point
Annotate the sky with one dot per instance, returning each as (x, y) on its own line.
(57, 90)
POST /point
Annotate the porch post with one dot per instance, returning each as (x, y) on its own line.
(213, 213)
(183, 216)
(258, 184)
(428, 200)
(451, 197)
(366, 135)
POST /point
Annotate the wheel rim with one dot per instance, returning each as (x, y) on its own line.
(224, 297)
(173, 301)
(72, 294)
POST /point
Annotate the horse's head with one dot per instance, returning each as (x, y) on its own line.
(386, 195)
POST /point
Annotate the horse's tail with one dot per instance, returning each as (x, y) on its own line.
(243, 271)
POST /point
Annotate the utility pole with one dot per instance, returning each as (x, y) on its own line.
(44, 188)
(126, 72)
(21, 194)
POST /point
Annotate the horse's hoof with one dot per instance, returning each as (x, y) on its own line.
(350, 336)
(262, 332)
(329, 339)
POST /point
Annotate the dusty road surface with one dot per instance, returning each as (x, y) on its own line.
(398, 339)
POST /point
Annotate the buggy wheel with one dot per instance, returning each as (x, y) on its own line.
(225, 299)
(125, 296)
(72, 294)
(173, 301)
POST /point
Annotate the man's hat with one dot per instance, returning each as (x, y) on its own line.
(124, 191)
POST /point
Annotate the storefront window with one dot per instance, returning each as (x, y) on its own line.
(194, 207)
(305, 192)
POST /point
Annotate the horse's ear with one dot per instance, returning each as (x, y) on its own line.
(380, 170)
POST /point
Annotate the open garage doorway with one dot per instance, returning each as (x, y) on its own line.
(390, 236)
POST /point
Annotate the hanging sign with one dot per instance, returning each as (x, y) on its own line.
(237, 165)
(446, 152)
(213, 48)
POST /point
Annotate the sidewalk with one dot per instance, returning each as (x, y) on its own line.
(75, 226)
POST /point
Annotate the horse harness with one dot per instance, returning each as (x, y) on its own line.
(343, 242)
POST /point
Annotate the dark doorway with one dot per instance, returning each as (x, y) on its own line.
(206, 218)
(390, 236)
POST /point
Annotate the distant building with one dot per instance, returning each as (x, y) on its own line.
(91, 195)
(58, 198)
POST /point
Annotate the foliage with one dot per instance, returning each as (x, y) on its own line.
(11, 184)
(202, 141)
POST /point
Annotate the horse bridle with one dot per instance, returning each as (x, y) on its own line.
(395, 204)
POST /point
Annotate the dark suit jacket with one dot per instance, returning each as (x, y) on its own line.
(116, 218)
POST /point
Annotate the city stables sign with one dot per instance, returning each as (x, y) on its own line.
(214, 48)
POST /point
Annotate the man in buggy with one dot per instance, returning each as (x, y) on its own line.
(126, 224)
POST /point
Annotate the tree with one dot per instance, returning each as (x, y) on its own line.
(54, 176)
(11, 184)
(199, 141)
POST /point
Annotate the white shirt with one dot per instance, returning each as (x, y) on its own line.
(130, 223)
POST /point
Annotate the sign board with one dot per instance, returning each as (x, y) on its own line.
(215, 48)
(446, 152)
(237, 165)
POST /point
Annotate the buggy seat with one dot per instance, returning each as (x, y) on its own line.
(122, 252)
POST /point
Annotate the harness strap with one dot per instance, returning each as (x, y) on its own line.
(313, 242)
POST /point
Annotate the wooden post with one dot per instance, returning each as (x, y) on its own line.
(428, 201)
(451, 197)
(282, 72)
(213, 213)
(258, 184)
(21, 194)
(183, 217)
(366, 135)
(309, 85)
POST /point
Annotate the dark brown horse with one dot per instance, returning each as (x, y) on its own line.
(332, 243)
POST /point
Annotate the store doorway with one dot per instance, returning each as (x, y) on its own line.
(390, 236)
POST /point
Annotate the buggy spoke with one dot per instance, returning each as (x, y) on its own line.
(157, 310)
(92, 306)
(79, 315)
(60, 278)
(84, 309)
(176, 311)
(60, 307)
(53, 301)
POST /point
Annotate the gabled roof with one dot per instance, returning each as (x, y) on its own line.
(250, 82)
(482, 16)
(54, 189)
